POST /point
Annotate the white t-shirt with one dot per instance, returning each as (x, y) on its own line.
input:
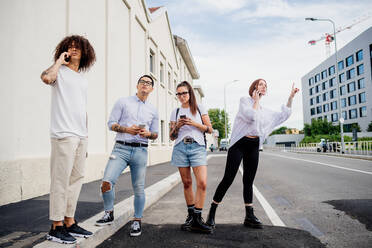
(187, 130)
(69, 104)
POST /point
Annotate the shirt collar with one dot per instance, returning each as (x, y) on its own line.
(139, 100)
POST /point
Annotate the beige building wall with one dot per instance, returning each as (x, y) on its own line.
(123, 33)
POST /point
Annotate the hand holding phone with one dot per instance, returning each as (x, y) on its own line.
(142, 126)
(182, 116)
(67, 58)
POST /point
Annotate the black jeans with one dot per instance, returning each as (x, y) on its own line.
(246, 149)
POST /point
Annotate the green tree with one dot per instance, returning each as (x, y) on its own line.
(318, 127)
(369, 129)
(217, 117)
(280, 130)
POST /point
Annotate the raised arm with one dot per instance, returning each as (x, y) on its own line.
(49, 76)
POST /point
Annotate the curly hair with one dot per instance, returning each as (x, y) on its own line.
(88, 56)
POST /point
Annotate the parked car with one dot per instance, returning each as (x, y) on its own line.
(223, 145)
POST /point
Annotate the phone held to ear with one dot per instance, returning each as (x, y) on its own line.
(67, 58)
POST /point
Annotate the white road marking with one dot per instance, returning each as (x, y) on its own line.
(315, 162)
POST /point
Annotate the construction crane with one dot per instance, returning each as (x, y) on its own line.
(328, 38)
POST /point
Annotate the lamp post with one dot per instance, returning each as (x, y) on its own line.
(341, 120)
(224, 99)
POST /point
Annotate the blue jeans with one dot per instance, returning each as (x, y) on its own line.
(189, 155)
(121, 157)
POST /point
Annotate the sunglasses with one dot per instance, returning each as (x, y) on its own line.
(182, 93)
(148, 83)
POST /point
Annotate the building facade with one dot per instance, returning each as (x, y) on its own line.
(129, 39)
(320, 89)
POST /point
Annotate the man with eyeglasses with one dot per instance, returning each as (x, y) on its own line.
(135, 121)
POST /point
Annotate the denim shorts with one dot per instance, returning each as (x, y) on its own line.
(189, 155)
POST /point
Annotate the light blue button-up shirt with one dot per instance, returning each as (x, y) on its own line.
(129, 111)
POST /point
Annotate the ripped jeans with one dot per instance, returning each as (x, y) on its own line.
(121, 157)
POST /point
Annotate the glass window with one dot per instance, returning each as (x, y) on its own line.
(169, 81)
(312, 101)
(332, 82)
(362, 97)
(324, 74)
(363, 111)
(343, 103)
(152, 62)
(312, 111)
(311, 91)
(333, 105)
(351, 87)
(326, 107)
(359, 55)
(341, 65)
(353, 113)
(320, 118)
(317, 88)
(344, 115)
(325, 85)
(342, 90)
(317, 77)
(318, 99)
(341, 78)
(331, 70)
(311, 81)
(349, 60)
(361, 84)
(333, 93)
(350, 73)
(325, 96)
(334, 117)
(319, 109)
(352, 100)
(360, 69)
(161, 73)
(325, 117)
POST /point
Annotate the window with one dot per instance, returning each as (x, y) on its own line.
(325, 96)
(331, 70)
(349, 60)
(344, 115)
(342, 90)
(175, 85)
(360, 69)
(325, 85)
(312, 111)
(350, 73)
(319, 109)
(341, 77)
(161, 73)
(152, 62)
(333, 105)
(311, 101)
(341, 65)
(311, 81)
(362, 97)
(317, 77)
(333, 93)
(332, 82)
(162, 129)
(317, 88)
(320, 118)
(361, 84)
(311, 91)
(351, 87)
(169, 81)
(359, 55)
(326, 107)
(334, 117)
(324, 74)
(343, 103)
(318, 99)
(352, 100)
(363, 111)
(353, 113)
(325, 117)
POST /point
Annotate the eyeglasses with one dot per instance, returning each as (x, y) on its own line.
(144, 82)
(182, 93)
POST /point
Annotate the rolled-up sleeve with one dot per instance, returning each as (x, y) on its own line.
(154, 128)
(246, 109)
(282, 116)
(115, 114)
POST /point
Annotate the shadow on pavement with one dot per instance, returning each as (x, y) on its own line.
(225, 235)
(360, 209)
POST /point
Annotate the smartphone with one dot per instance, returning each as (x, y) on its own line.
(67, 58)
(141, 126)
(182, 116)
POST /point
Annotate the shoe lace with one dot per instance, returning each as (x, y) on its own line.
(106, 216)
(135, 225)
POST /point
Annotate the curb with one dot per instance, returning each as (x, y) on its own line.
(124, 210)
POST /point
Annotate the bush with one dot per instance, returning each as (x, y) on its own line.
(330, 138)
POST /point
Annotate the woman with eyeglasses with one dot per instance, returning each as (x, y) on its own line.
(253, 123)
(188, 125)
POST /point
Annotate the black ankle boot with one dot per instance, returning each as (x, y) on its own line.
(198, 224)
(188, 222)
(211, 215)
(250, 219)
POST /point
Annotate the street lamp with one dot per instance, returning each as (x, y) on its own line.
(341, 120)
(224, 99)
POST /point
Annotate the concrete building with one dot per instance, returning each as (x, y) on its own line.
(320, 88)
(129, 39)
(284, 139)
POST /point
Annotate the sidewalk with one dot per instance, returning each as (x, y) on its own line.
(25, 224)
(161, 222)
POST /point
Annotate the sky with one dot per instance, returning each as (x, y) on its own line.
(249, 39)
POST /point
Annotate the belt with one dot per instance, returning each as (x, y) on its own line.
(188, 140)
(132, 144)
